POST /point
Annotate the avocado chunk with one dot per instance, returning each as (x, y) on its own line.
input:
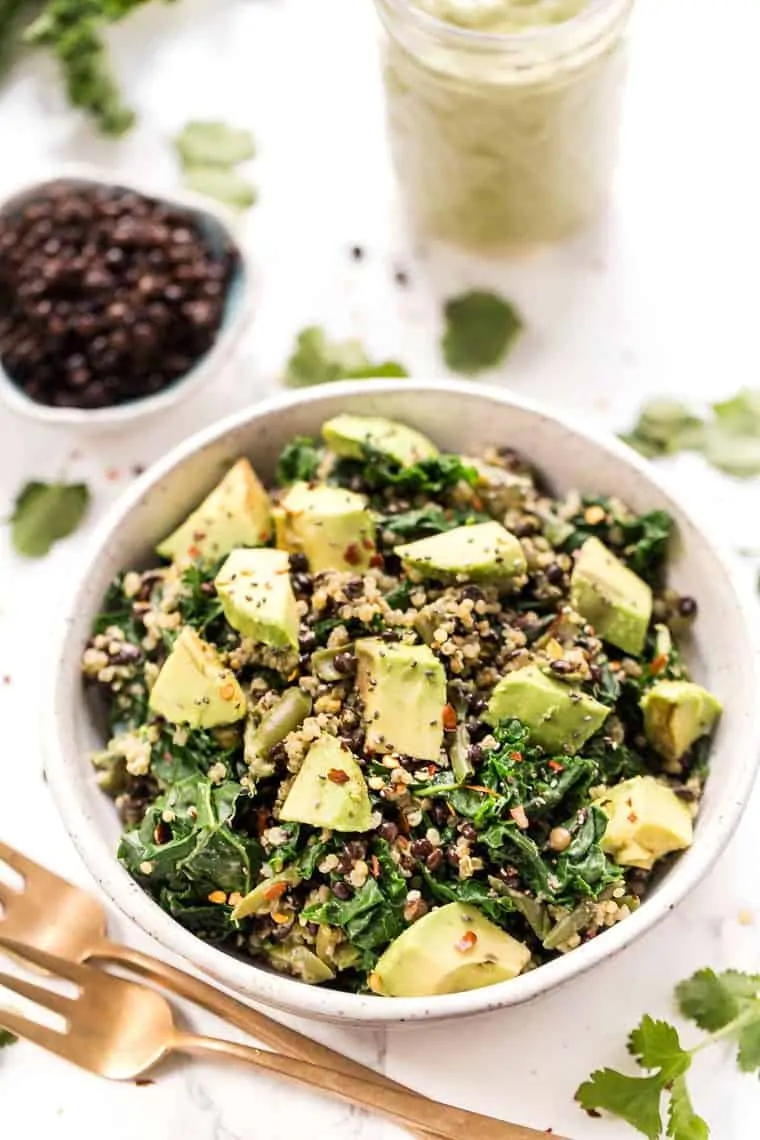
(403, 688)
(614, 600)
(676, 713)
(257, 598)
(485, 552)
(330, 790)
(351, 437)
(332, 527)
(559, 717)
(449, 950)
(236, 513)
(194, 688)
(646, 821)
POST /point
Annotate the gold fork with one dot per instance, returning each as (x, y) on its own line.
(121, 1029)
(53, 915)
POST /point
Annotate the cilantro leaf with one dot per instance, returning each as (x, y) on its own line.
(683, 1122)
(6, 1038)
(44, 513)
(316, 360)
(733, 438)
(711, 999)
(480, 329)
(214, 144)
(749, 1046)
(656, 1045)
(223, 184)
(664, 427)
(634, 1099)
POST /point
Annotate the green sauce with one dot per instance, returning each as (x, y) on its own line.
(506, 135)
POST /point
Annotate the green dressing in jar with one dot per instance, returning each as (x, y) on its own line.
(503, 114)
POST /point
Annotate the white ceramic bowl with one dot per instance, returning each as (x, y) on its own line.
(219, 224)
(459, 416)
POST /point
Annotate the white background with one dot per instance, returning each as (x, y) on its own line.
(661, 295)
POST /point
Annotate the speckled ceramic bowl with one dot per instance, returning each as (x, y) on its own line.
(460, 417)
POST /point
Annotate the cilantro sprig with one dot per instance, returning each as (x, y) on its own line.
(724, 1006)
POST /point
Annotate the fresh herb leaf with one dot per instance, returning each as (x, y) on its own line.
(299, 461)
(724, 1005)
(634, 1099)
(46, 512)
(656, 1045)
(664, 427)
(683, 1122)
(214, 144)
(315, 360)
(226, 186)
(6, 1038)
(480, 329)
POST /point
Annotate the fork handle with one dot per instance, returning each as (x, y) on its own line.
(266, 1029)
(401, 1105)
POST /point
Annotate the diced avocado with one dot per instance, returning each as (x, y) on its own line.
(292, 957)
(611, 597)
(485, 552)
(236, 513)
(332, 527)
(560, 718)
(194, 688)
(449, 950)
(646, 821)
(330, 790)
(260, 899)
(403, 688)
(351, 437)
(257, 598)
(676, 713)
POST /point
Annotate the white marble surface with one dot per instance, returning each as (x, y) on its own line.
(661, 296)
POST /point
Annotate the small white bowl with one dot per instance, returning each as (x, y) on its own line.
(459, 417)
(219, 222)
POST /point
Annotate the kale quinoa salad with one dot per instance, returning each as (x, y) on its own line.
(404, 723)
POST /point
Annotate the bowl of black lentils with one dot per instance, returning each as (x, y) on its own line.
(115, 301)
(396, 701)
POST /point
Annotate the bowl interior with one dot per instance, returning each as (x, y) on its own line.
(213, 226)
(461, 418)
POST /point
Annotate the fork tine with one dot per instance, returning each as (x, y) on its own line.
(51, 962)
(18, 861)
(33, 1031)
(49, 999)
(6, 893)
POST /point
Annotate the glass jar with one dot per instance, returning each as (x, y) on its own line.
(504, 139)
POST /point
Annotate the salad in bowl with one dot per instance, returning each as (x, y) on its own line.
(404, 722)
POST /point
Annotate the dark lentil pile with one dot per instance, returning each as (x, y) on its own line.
(106, 295)
(495, 822)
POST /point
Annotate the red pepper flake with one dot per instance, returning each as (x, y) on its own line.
(7, 679)
(193, 551)
(262, 820)
(368, 544)
(352, 554)
(516, 756)
(375, 867)
(377, 560)
(112, 474)
(275, 891)
(556, 766)
(338, 776)
(632, 817)
(199, 535)
(449, 717)
(467, 941)
(659, 663)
